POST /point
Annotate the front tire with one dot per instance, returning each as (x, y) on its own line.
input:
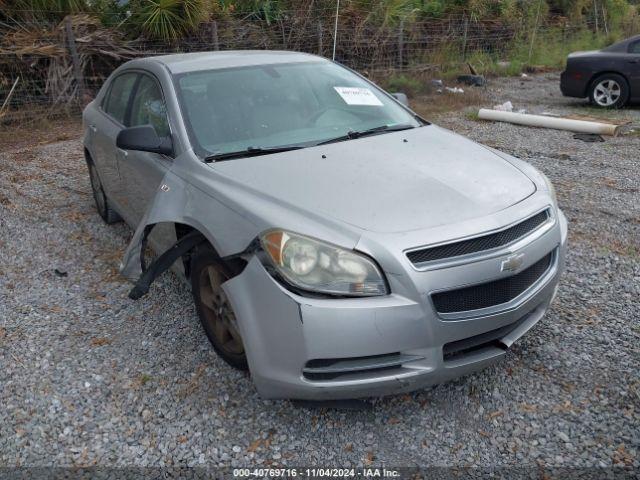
(108, 214)
(609, 90)
(216, 314)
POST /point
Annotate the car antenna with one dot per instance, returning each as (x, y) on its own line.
(335, 31)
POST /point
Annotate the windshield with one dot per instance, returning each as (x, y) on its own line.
(268, 106)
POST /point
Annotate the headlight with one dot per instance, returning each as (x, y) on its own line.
(550, 189)
(320, 267)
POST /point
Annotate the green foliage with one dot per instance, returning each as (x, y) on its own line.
(111, 13)
(619, 13)
(472, 115)
(405, 84)
(265, 10)
(170, 20)
(69, 6)
(167, 20)
(433, 8)
(550, 50)
(30, 10)
(386, 13)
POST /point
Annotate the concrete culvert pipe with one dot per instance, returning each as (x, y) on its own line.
(580, 126)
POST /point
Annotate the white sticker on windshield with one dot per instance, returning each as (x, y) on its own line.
(358, 96)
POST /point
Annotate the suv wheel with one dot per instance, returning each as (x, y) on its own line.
(213, 307)
(609, 91)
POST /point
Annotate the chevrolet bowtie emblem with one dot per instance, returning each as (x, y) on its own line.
(512, 262)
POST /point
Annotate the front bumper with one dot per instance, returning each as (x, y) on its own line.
(385, 345)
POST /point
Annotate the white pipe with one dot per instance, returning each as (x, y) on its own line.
(580, 126)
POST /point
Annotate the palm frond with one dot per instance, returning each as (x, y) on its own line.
(168, 20)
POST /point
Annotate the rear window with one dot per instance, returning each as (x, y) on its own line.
(634, 47)
(118, 97)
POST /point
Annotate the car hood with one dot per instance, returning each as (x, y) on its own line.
(394, 182)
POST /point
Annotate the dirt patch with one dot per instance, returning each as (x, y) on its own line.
(42, 132)
(436, 103)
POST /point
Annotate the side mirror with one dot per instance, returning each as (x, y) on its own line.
(144, 138)
(401, 97)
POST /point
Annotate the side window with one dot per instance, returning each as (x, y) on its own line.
(118, 97)
(148, 107)
(634, 47)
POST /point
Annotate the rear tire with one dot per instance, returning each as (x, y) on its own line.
(102, 202)
(609, 90)
(214, 309)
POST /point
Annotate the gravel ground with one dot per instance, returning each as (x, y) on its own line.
(90, 377)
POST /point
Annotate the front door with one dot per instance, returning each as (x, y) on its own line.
(634, 68)
(142, 172)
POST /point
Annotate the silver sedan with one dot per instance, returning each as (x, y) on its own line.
(337, 245)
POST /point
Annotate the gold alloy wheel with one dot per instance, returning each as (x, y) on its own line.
(217, 311)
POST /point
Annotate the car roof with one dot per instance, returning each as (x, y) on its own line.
(621, 46)
(191, 62)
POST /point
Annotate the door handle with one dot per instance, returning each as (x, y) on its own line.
(93, 128)
(634, 61)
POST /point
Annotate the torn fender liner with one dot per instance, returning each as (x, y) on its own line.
(163, 262)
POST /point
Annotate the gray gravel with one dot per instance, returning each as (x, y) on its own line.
(89, 377)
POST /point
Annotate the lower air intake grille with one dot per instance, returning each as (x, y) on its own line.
(479, 244)
(491, 293)
(333, 368)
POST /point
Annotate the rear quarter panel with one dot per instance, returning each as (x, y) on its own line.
(610, 63)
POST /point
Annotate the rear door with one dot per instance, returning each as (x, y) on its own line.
(104, 130)
(634, 68)
(142, 172)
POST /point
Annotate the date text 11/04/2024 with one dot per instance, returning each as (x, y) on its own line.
(316, 472)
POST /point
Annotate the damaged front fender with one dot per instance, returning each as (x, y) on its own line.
(178, 201)
(230, 221)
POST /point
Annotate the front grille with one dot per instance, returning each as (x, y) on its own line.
(492, 293)
(479, 244)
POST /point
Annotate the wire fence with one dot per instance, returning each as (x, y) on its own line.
(49, 69)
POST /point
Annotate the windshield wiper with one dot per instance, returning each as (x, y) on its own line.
(370, 131)
(255, 151)
(250, 152)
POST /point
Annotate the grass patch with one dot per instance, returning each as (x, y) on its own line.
(472, 115)
(412, 86)
(434, 104)
(143, 379)
(424, 97)
(625, 249)
(549, 52)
